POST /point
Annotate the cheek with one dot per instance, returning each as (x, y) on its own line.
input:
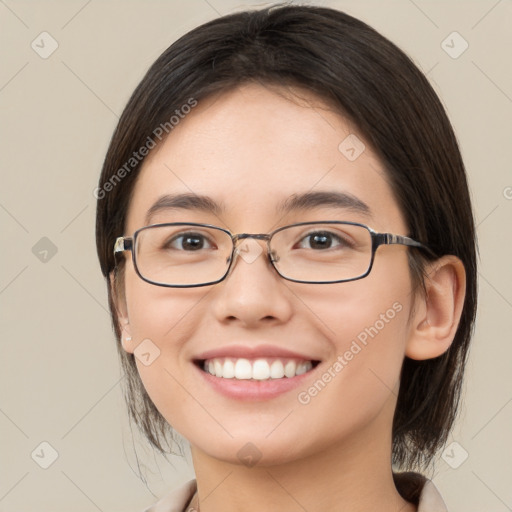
(369, 351)
(161, 321)
(366, 323)
(160, 313)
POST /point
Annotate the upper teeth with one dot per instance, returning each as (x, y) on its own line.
(259, 369)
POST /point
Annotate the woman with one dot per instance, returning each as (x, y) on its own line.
(285, 227)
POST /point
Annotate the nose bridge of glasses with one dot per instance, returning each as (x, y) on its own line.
(244, 236)
(249, 252)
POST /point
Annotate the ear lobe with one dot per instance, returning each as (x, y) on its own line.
(119, 300)
(437, 314)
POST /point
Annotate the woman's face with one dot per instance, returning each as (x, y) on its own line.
(250, 150)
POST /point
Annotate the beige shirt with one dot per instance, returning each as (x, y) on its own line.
(177, 501)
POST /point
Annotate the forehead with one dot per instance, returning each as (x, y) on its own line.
(253, 149)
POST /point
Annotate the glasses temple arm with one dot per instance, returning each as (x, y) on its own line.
(390, 239)
(122, 244)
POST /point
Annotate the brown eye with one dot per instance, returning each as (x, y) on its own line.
(319, 240)
(188, 242)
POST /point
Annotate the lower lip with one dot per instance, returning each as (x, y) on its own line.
(253, 390)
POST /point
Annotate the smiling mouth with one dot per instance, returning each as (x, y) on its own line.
(262, 368)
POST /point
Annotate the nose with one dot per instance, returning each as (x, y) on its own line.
(253, 292)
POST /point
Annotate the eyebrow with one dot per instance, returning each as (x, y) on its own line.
(295, 203)
(333, 199)
(184, 202)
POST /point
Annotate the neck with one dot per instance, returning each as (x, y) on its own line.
(355, 475)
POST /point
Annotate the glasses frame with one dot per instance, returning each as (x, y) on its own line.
(124, 243)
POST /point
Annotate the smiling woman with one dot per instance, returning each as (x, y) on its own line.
(295, 261)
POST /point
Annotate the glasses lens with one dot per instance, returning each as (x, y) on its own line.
(322, 252)
(182, 254)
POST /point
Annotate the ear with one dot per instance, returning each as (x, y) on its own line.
(119, 299)
(436, 316)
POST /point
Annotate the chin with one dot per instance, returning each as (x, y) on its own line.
(256, 449)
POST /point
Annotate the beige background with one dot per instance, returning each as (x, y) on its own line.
(60, 380)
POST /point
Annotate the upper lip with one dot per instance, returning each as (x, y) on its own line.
(252, 352)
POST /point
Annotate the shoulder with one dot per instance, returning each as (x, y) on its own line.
(175, 501)
(419, 490)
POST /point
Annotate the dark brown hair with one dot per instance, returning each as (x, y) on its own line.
(374, 85)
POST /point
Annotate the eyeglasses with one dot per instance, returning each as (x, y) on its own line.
(183, 255)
